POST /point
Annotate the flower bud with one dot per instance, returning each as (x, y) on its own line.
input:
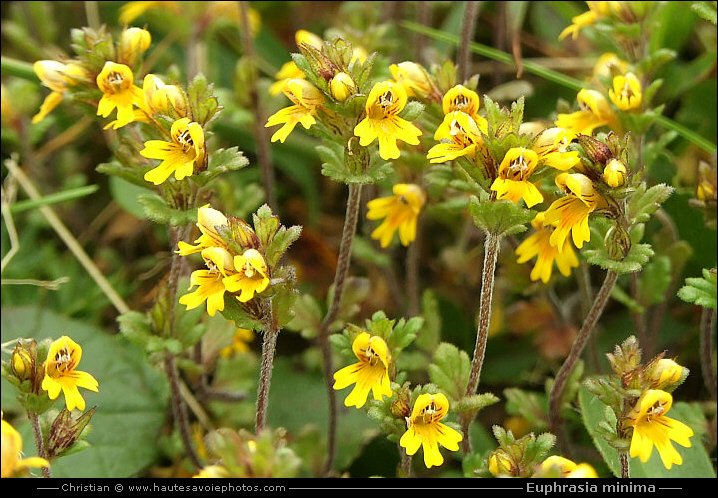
(133, 43)
(597, 151)
(663, 374)
(500, 464)
(400, 407)
(618, 243)
(65, 431)
(614, 174)
(170, 100)
(23, 360)
(342, 86)
(305, 37)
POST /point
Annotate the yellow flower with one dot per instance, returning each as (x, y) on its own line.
(598, 10)
(12, 464)
(132, 44)
(539, 244)
(651, 428)
(60, 374)
(342, 86)
(178, 156)
(500, 463)
(309, 38)
(460, 98)
(513, 180)
(288, 71)
(614, 174)
(400, 210)
(209, 221)
(119, 91)
(307, 99)
(56, 76)
(240, 343)
(626, 92)
(213, 472)
(386, 100)
(459, 134)
(132, 10)
(570, 213)
(413, 77)
(251, 275)
(210, 285)
(159, 98)
(594, 111)
(426, 430)
(371, 373)
(551, 145)
(563, 467)
(609, 64)
(664, 373)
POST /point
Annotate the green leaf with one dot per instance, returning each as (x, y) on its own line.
(307, 316)
(64, 196)
(202, 102)
(644, 202)
(700, 291)
(155, 208)
(500, 218)
(707, 10)
(283, 238)
(222, 161)
(450, 370)
(132, 400)
(696, 462)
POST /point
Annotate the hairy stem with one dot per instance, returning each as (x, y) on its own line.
(39, 442)
(269, 345)
(179, 408)
(708, 320)
(491, 253)
(345, 247)
(625, 468)
(264, 154)
(584, 334)
(463, 58)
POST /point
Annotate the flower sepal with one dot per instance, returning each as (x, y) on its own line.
(500, 218)
(67, 434)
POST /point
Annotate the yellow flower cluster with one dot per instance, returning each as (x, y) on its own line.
(242, 275)
(371, 374)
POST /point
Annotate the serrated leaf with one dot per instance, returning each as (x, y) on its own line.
(500, 218)
(202, 102)
(283, 238)
(450, 370)
(132, 399)
(633, 262)
(222, 161)
(696, 462)
(644, 202)
(700, 291)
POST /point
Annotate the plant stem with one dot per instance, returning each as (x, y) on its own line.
(463, 58)
(584, 334)
(264, 153)
(413, 255)
(179, 408)
(39, 442)
(269, 345)
(405, 462)
(491, 253)
(350, 224)
(708, 320)
(625, 468)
